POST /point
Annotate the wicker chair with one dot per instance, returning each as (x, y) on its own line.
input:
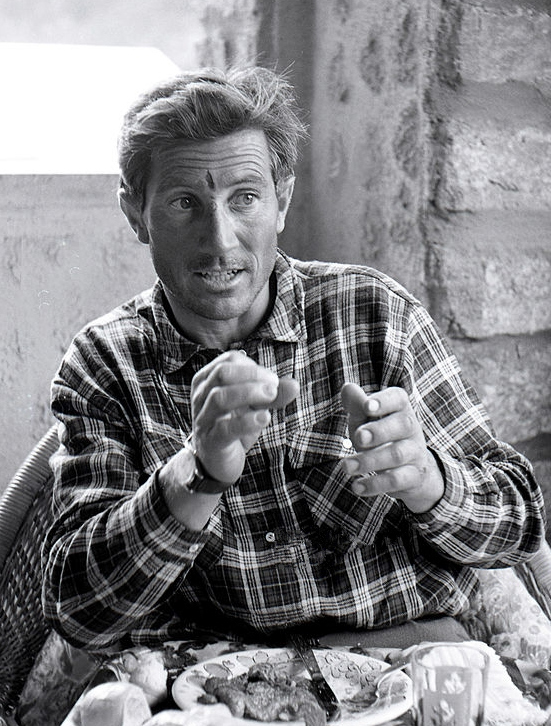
(24, 518)
(25, 515)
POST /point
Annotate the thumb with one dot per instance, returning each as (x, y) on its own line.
(354, 400)
(287, 391)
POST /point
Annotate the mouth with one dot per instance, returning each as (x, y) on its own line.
(220, 281)
(219, 275)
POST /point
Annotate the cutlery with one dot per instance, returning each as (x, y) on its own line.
(322, 689)
(399, 666)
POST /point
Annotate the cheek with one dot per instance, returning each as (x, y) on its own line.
(162, 227)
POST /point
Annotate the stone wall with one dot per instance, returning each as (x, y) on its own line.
(430, 159)
(369, 130)
(489, 227)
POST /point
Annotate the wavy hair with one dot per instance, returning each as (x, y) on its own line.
(206, 105)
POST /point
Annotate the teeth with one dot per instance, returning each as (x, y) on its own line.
(219, 274)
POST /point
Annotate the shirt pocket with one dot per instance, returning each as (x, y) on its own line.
(325, 441)
(344, 520)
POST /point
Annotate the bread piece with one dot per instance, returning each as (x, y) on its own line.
(112, 704)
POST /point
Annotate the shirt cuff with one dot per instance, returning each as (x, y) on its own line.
(157, 535)
(452, 505)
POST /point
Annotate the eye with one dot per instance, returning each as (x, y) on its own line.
(185, 202)
(245, 199)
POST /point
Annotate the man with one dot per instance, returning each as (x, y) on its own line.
(260, 443)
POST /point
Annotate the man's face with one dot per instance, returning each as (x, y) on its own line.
(211, 217)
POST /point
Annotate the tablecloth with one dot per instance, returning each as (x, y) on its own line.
(505, 704)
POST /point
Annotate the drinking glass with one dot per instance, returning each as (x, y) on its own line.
(449, 684)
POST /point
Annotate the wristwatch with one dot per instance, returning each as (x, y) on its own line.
(196, 478)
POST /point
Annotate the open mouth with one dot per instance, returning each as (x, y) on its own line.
(219, 275)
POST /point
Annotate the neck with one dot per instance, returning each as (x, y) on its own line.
(218, 334)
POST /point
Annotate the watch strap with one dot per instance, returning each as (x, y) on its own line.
(201, 481)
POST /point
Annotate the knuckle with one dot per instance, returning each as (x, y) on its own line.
(400, 453)
(222, 375)
(410, 423)
(393, 480)
(399, 479)
(402, 396)
(218, 397)
(397, 454)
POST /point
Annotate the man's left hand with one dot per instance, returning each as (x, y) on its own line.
(392, 453)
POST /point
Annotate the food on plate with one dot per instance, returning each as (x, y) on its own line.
(199, 716)
(264, 693)
(146, 669)
(112, 704)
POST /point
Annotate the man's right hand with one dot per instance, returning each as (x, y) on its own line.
(231, 398)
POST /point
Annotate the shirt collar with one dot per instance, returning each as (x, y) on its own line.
(285, 323)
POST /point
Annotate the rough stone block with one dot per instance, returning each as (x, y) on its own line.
(408, 48)
(495, 270)
(408, 145)
(498, 149)
(506, 40)
(230, 32)
(369, 132)
(512, 376)
(542, 471)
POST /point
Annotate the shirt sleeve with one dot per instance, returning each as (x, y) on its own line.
(114, 549)
(492, 512)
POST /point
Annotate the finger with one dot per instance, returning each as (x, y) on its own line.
(229, 367)
(241, 425)
(395, 483)
(237, 398)
(394, 427)
(237, 370)
(230, 356)
(287, 391)
(387, 401)
(358, 404)
(385, 457)
(354, 400)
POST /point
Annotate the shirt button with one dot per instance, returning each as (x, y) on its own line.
(270, 537)
(193, 548)
(347, 443)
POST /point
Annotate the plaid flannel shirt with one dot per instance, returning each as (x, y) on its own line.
(290, 544)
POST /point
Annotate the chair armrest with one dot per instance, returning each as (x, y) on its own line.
(22, 490)
(536, 575)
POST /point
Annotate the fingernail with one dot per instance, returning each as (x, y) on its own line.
(372, 405)
(262, 418)
(243, 352)
(350, 466)
(365, 437)
(270, 390)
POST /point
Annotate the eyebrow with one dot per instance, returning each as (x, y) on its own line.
(250, 179)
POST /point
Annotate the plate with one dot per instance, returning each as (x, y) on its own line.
(347, 673)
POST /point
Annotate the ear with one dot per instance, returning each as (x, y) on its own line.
(134, 216)
(284, 192)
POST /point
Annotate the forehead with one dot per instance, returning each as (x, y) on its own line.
(243, 153)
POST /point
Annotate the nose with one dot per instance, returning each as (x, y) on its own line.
(219, 233)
